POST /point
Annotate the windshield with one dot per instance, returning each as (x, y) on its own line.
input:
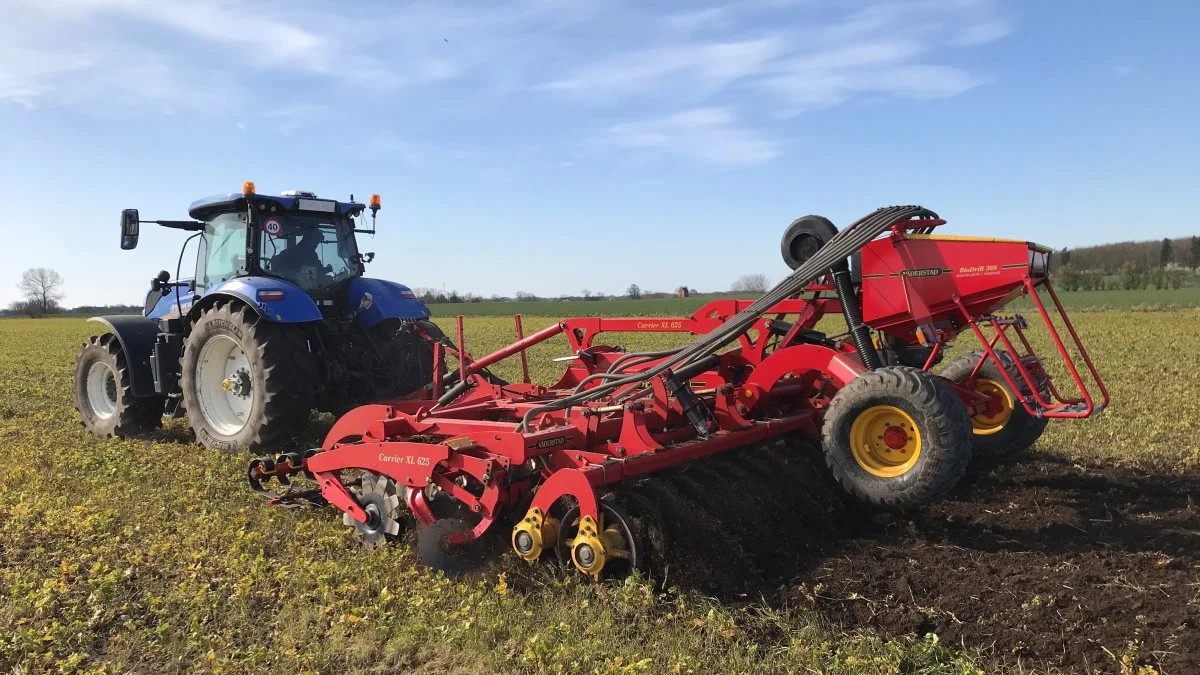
(313, 251)
(221, 255)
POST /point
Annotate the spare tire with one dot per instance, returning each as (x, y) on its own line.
(804, 237)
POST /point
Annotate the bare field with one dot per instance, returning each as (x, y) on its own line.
(152, 555)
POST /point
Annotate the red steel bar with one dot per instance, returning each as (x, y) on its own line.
(462, 352)
(518, 346)
(524, 360)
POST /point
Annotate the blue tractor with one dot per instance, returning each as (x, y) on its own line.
(277, 321)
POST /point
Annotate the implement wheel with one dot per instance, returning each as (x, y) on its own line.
(1005, 429)
(103, 396)
(897, 438)
(247, 382)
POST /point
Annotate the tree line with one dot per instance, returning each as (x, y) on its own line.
(1129, 265)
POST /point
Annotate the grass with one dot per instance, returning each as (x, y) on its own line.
(152, 555)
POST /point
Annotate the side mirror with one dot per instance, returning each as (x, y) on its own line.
(129, 229)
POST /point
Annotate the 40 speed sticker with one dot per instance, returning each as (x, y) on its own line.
(272, 226)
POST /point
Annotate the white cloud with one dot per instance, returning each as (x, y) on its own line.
(300, 61)
(709, 134)
(697, 20)
(710, 66)
(806, 59)
(983, 32)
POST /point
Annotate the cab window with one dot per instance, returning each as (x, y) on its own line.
(222, 253)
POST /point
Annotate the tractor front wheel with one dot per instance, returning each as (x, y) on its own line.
(247, 382)
(103, 397)
(897, 437)
(1005, 429)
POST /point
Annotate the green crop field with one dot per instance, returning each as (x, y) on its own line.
(153, 556)
(1146, 299)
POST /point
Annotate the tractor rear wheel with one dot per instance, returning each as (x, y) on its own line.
(103, 397)
(1005, 429)
(247, 383)
(408, 357)
(896, 437)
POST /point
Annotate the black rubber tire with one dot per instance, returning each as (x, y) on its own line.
(1022, 429)
(941, 420)
(435, 553)
(804, 237)
(131, 415)
(283, 378)
(409, 356)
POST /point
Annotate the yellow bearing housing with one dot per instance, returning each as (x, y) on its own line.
(534, 531)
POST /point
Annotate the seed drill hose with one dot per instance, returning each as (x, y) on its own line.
(852, 310)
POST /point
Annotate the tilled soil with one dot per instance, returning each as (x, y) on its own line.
(1039, 561)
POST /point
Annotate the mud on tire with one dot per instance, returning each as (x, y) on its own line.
(281, 378)
(897, 438)
(110, 408)
(1013, 430)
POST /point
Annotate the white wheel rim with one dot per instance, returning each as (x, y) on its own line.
(102, 390)
(224, 385)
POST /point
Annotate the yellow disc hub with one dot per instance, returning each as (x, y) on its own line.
(885, 441)
(999, 410)
(588, 551)
(530, 536)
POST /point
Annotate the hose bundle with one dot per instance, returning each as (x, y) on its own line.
(835, 251)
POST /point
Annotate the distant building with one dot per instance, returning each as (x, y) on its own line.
(681, 292)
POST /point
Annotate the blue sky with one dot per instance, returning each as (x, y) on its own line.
(553, 146)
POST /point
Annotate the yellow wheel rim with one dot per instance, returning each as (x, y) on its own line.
(885, 441)
(996, 416)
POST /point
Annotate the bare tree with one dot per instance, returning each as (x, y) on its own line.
(525, 295)
(750, 283)
(634, 292)
(587, 295)
(42, 287)
(29, 309)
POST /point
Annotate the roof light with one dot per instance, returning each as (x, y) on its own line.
(375, 203)
(248, 188)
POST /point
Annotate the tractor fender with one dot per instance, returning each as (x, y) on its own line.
(388, 300)
(135, 336)
(295, 307)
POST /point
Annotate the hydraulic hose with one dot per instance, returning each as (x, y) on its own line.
(852, 311)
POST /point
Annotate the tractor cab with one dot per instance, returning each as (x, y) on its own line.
(249, 242)
(295, 237)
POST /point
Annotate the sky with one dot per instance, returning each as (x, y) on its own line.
(551, 146)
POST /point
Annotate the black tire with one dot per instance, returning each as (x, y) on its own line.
(119, 413)
(1009, 437)
(435, 553)
(281, 378)
(804, 237)
(936, 446)
(408, 356)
